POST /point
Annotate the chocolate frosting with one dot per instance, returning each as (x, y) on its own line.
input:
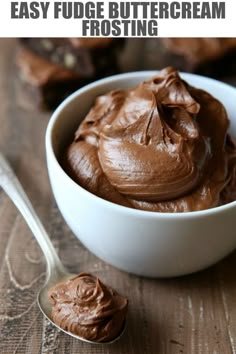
(197, 50)
(160, 146)
(86, 307)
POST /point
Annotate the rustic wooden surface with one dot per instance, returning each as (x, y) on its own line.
(189, 315)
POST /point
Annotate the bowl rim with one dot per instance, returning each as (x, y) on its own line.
(120, 208)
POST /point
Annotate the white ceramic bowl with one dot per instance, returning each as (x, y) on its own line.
(141, 242)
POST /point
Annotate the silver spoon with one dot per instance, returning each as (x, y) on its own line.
(56, 272)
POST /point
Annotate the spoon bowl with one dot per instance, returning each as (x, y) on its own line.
(56, 272)
(46, 309)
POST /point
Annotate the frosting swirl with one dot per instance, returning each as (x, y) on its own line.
(160, 146)
(84, 306)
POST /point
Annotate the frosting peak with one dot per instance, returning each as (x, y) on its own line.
(158, 146)
(156, 154)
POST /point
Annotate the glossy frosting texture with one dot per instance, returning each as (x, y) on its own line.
(86, 307)
(160, 146)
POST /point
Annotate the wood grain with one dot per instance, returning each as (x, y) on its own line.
(191, 315)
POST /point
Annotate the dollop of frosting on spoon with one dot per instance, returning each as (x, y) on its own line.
(86, 307)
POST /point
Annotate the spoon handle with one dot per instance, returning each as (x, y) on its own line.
(12, 187)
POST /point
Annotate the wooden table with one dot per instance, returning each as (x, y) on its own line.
(190, 315)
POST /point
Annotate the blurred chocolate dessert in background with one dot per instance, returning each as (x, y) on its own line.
(52, 68)
(214, 57)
